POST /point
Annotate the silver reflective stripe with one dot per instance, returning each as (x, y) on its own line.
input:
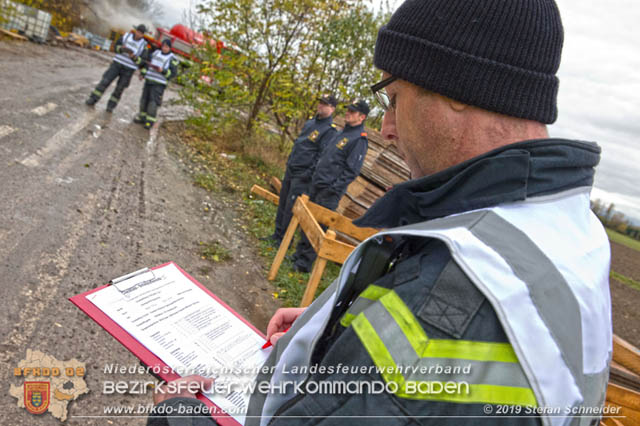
(162, 61)
(136, 45)
(257, 400)
(404, 355)
(549, 291)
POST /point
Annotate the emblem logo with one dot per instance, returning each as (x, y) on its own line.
(314, 135)
(36, 397)
(342, 143)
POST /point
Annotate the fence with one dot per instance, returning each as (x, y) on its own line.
(27, 21)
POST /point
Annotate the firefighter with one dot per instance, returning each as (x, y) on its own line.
(302, 161)
(159, 67)
(129, 50)
(339, 165)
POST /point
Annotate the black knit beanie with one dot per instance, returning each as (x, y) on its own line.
(499, 55)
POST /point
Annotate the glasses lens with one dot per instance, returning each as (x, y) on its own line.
(383, 99)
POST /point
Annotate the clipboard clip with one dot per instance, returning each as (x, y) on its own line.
(131, 282)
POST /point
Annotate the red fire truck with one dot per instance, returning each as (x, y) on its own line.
(183, 40)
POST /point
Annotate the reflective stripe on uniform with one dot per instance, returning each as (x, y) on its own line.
(364, 300)
(114, 99)
(97, 92)
(401, 349)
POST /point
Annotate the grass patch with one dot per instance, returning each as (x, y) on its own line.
(206, 181)
(623, 239)
(625, 280)
(214, 252)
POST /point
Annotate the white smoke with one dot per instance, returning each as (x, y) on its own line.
(105, 15)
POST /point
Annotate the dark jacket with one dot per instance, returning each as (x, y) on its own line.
(511, 173)
(309, 145)
(341, 160)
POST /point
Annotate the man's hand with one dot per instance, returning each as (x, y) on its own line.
(141, 77)
(282, 320)
(185, 387)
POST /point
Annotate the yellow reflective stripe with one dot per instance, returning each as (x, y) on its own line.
(374, 292)
(476, 351)
(406, 321)
(347, 319)
(377, 350)
(478, 394)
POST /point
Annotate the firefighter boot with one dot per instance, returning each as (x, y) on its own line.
(140, 118)
(94, 97)
(111, 105)
(91, 101)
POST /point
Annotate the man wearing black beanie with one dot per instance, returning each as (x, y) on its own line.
(486, 298)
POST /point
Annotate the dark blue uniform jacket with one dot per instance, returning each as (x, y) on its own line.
(342, 160)
(309, 145)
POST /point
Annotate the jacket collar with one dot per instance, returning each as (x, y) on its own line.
(511, 173)
(322, 120)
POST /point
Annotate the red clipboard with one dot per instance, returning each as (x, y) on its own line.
(144, 354)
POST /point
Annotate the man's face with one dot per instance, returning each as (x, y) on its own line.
(165, 48)
(137, 35)
(325, 109)
(422, 127)
(354, 118)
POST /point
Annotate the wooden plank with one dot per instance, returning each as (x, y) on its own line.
(309, 225)
(14, 35)
(624, 397)
(610, 421)
(340, 223)
(623, 377)
(626, 416)
(276, 184)
(263, 193)
(316, 275)
(626, 354)
(282, 250)
(334, 251)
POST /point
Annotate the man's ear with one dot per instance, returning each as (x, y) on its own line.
(456, 106)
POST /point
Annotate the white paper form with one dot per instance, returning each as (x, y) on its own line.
(187, 329)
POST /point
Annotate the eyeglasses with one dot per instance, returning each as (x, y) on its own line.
(381, 95)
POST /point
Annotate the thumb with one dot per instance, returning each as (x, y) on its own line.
(275, 337)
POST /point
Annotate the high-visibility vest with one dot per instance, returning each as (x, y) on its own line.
(136, 46)
(162, 61)
(543, 264)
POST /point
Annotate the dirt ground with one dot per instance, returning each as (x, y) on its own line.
(86, 197)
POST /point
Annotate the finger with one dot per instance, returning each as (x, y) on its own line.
(275, 323)
(282, 319)
(275, 337)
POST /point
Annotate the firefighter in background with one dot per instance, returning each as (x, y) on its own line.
(338, 166)
(159, 67)
(129, 51)
(306, 151)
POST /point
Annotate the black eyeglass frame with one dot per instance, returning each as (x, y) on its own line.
(381, 97)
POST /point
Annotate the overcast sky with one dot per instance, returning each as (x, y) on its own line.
(599, 98)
